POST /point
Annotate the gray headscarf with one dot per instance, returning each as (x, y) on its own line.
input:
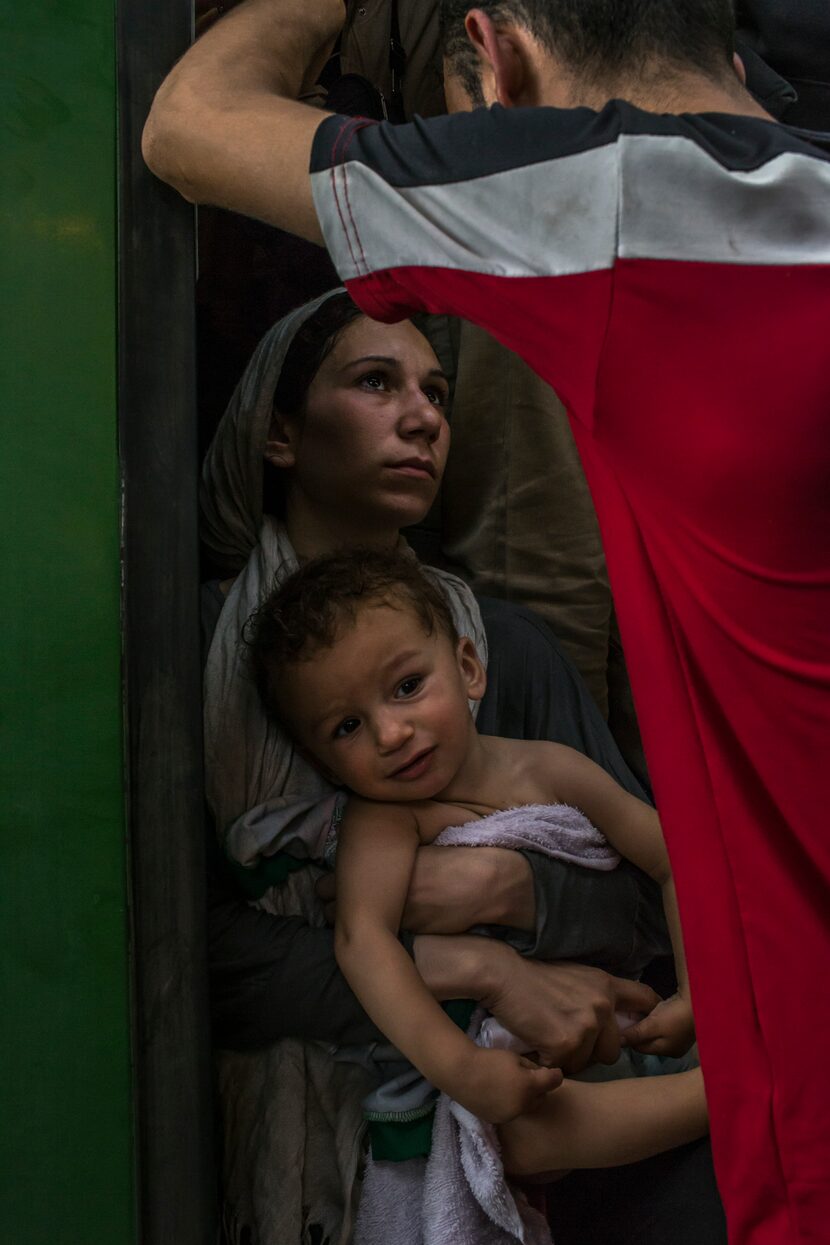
(231, 493)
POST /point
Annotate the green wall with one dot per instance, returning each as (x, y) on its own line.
(65, 1109)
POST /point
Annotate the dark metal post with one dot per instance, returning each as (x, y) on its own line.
(158, 442)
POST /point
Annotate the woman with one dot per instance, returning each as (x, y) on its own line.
(349, 418)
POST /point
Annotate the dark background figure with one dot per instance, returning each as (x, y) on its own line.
(793, 39)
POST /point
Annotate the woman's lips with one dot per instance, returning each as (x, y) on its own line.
(418, 468)
(415, 768)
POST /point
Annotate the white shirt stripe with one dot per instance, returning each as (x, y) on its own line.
(545, 219)
(577, 213)
(678, 203)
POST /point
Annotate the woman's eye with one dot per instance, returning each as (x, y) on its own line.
(374, 380)
(347, 727)
(410, 685)
(436, 396)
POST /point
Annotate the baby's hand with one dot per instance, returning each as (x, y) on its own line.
(667, 1030)
(498, 1085)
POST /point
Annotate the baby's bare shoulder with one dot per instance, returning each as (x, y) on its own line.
(424, 818)
(542, 768)
(367, 814)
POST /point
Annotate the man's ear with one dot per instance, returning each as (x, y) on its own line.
(506, 73)
(470, 668)
(281, 446)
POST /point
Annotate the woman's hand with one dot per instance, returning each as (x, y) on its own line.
(565, 1011)
(498, 1085)
(669, 1029)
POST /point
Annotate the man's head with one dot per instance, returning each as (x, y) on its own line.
(357, 656)
(598, 48)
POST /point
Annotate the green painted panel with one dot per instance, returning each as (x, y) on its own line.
(66, 1159)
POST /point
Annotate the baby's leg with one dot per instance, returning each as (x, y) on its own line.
(606, 1125)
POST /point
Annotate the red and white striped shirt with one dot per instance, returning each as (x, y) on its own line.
(670, 277)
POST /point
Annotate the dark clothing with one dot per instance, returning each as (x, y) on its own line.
(534, 691)
(793, 39)
(670, 1199)
(275, 977)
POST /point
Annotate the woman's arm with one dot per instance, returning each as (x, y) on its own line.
(273, 977)
(633, 828)
(606, 1125)
(375, 856)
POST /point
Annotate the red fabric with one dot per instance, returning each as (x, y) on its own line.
(700, 398)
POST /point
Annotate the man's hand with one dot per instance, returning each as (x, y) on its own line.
(565, 1011)
(454, 888)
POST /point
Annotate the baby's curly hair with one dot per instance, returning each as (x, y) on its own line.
(309, 610)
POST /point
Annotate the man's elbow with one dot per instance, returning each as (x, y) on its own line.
(166, 143)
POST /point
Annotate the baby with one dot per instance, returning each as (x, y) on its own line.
(358, 657)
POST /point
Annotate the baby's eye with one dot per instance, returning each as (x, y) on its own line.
(409, 686)
(347, 727)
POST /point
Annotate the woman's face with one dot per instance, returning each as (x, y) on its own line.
(369, 449)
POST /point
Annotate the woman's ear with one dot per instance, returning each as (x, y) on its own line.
(281, 446)
(470, 668)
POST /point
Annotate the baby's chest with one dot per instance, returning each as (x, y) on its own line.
(434, 817)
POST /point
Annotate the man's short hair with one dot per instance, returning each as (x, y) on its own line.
(602, 40)
(310, 609)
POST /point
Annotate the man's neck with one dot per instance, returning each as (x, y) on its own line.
(671, 93)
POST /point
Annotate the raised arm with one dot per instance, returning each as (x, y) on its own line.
(225, 127)
(375, 856)
(633, 828)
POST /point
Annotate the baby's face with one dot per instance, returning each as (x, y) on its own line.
(384, 710)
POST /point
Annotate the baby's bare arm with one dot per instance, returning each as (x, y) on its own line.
(375, 856)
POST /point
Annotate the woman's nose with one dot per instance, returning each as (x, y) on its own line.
(420, 417)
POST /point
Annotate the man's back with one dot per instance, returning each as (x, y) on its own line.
(670, 276)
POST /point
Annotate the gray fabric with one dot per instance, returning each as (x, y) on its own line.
(230, 498)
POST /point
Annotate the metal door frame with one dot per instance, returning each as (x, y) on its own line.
(175, 1172)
